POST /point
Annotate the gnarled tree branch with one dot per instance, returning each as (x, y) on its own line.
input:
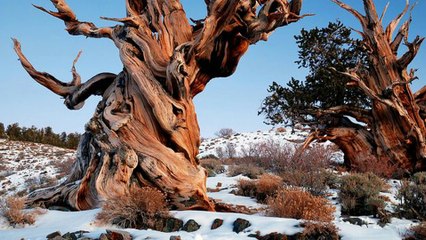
(74, 26)
(74, 92)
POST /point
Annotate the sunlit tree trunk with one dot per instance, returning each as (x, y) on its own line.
(144, 131)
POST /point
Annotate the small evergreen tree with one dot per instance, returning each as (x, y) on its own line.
(2, 131)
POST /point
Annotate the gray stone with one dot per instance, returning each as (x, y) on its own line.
(191, 226)
(240, 224)
(172, 224)
(355, 221)
(54, 234)
(118, 235)
(175, 238)
(216, 223)
(69, 236)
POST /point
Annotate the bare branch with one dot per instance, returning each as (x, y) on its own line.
(73, 26)
(45, 79)
(357, 81)
(76, 79)
(360, 114)
(74, 92)
(413, 48)
(354, 12)
(420, 94)
(94, 86)
(402, 34)
(384, 12)
(394, 23)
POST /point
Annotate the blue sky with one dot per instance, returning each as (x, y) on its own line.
(230, 102)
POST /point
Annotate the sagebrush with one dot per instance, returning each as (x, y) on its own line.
(13, 210)
(142, 208)
(412, 196)
(359, 194)
(299, 204)
(262, 188)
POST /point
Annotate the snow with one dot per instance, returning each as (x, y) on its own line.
(225, 195)
(23, 158)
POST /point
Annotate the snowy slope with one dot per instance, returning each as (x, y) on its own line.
(27, 160)
(283, 136)
(74, 221)
(24, 163)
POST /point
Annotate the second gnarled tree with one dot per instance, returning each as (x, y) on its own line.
(144, 131)
(389, 124)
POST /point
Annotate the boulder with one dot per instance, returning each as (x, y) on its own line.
(240, 224)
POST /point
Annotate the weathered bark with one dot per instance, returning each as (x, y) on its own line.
(144, 131)
(394, 128)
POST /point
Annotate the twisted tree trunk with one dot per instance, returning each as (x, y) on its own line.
(394, 130)
(145, 131)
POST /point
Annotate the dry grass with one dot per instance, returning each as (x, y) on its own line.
(417, 232)
(266, 186)
(213, 166)
(141, 209)
(319, 231)
(247, 170)
(13, 211)
(295, 203)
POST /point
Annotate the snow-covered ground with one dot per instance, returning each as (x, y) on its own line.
(85, 220)
(22, 160)
(25, 163)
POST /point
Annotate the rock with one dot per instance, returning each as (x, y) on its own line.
(355, 221)
(240, 224)
(175, 238)
(69, 236)
(191, 226)
(80, 233)
(172, 224)
(216, 223)
(115, 235)
(53, 235)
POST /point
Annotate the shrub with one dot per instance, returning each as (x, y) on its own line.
(315, 182)
(412, 195)
(268, 155)
(374, 165)
(225, 133)
(245, 170)
(417, 232)
(299, 204)
(141, 209)
(213, 166)
(359, 194)
(266, 186)
(322, 231)
(246, 188)
(13, 210)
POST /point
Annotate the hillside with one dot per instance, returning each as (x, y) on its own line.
(23, 164)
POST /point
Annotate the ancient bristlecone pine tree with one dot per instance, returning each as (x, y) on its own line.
(144, 131)
(394, 127)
